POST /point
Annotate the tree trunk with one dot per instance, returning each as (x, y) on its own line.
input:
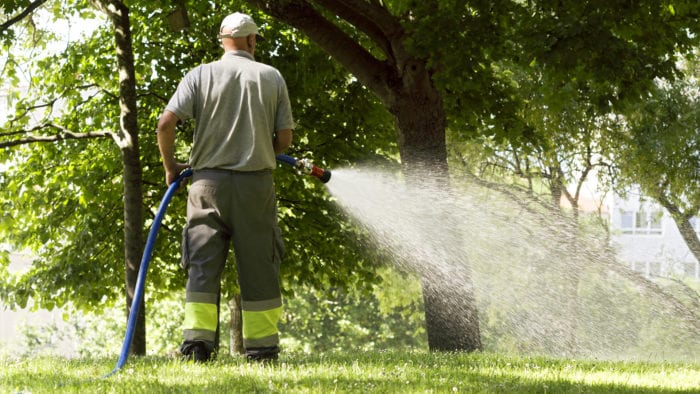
(403, 83)
(128, 141)
(682, 220)
(689, 235)
(557, 187)
(133, 179)
(451, 315)
(236, 343)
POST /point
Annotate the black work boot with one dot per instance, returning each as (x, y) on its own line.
(198, 351)
(262, 354)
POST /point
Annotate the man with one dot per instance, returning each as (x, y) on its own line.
(242, 119)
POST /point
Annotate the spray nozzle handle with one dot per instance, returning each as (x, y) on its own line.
(306, 167)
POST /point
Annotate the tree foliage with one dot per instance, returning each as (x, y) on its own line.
(659, 150)
(63, 200)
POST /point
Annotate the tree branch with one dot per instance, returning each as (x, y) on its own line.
(64, 134)
(372, 19)
(32, 6)
(52, 102)
(373, 73)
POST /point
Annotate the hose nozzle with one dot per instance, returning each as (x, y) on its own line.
(305, 166)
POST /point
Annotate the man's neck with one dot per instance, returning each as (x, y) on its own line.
(240, 52)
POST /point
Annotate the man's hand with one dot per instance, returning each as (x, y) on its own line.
(174, 171)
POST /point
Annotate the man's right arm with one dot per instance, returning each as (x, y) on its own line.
(166, 145)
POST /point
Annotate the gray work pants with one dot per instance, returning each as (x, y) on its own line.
(239, 208)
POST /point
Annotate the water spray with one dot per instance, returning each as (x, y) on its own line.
(306, 167)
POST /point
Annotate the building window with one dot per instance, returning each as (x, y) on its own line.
(627, 222)
(644, 221)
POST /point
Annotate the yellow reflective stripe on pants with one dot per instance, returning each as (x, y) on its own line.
(261, 324)
(200, 316)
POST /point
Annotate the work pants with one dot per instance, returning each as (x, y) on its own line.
(227, 207)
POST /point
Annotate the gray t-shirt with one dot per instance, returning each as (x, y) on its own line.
(238, 104)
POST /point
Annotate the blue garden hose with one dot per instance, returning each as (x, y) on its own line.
(287, 160)
(141, 280)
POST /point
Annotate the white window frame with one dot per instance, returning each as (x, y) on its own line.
(644, 221)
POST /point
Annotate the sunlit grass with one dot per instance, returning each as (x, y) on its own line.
(351, 371)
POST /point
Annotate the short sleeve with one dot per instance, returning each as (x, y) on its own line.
(182, 103)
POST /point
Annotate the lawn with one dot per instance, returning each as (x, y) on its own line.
(383, 372)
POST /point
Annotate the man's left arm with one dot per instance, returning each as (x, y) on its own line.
(282, 140)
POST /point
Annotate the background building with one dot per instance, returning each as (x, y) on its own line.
(647, 238)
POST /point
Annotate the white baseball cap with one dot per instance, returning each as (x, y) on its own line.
(241, 25)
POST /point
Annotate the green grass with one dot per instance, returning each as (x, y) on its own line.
(383, 372)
